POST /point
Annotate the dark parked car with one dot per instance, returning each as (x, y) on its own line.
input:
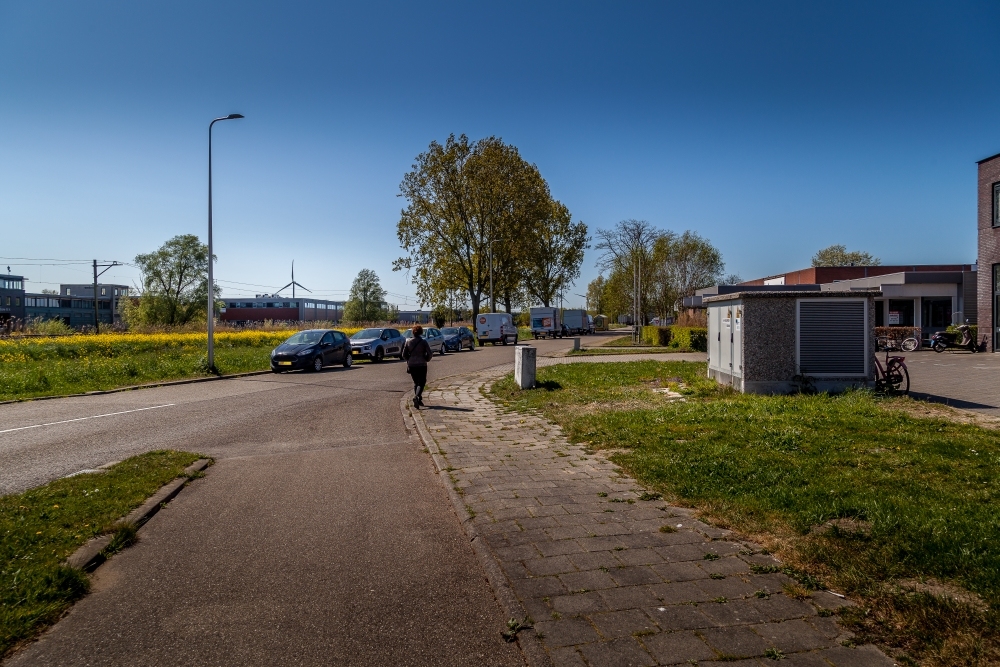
(311, 350)
(456, 338)
(377, 344)
(432, 336)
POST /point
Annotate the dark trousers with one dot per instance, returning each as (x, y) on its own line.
(419, 375)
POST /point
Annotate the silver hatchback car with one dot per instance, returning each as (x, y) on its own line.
(433, 336)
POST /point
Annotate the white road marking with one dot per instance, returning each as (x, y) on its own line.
(80, 419)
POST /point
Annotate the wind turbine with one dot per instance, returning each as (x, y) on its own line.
(293, 284)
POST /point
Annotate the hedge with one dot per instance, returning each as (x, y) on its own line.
(691, 338)
(686, 338)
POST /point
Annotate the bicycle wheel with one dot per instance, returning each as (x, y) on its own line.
(910, 344)
(899, 380)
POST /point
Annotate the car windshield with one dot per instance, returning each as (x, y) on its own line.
(367, 333)
(449, 331)
(305, 338)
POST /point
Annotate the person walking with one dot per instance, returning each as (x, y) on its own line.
(417, 353)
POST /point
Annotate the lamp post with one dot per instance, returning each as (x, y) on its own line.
(211, 283)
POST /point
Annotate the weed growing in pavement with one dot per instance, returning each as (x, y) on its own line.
(856, 491)
(43, 526)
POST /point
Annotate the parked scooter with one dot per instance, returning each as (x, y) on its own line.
(942, 340)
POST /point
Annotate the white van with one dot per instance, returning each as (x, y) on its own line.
(495, 328)
(545, 322)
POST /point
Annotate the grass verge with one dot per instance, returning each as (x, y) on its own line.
(43, 526)
(35, 367)
(855, 491)
(603, 351)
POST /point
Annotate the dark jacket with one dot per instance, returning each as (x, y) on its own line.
(417, 352)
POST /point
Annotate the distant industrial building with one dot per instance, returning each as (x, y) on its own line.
(73, 305)
(282, 309)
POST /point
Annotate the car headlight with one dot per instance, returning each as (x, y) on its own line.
(273, 352)
(305, 352)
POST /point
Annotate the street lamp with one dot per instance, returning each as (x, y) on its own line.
(211, 283)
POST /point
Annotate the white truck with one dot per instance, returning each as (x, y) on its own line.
(576, 322)
(545, 322)
(496, 328)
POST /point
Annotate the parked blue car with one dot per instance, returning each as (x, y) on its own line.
(457, 338)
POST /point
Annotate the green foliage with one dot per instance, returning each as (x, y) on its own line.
(689, 338)
(88, 363)
(174, 283)
(366, 301)
(925, 490)
(837, 255)
(440, 315)
(47, 327)
(552, 251)
(653, 335)
(973, 331)
(43, 526)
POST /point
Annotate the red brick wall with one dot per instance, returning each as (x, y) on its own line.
(989, 246)
(828, 274)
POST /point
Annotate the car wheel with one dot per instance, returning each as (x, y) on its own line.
(379, 354)
(348, 361)
(275, 370)
(441, 351)
(317, 364)
(504, 340)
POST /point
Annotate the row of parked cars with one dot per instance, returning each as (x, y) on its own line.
(316, 348)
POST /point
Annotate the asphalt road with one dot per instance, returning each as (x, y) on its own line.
(320, 536)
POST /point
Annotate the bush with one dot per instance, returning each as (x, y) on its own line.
(973, 331)
(652, 335)
(897, 334)
(691, 338)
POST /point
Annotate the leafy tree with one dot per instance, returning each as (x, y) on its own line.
(50, 291)
(174, 282)
(553, 253)
(837, 255)
(690, 263)
(595, 295)
(731, 279)
(366, 301)
(461, 197)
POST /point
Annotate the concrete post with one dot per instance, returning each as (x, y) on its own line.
(524, 366)
(576, 344)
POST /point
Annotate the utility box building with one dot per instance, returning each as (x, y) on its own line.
(779, 342)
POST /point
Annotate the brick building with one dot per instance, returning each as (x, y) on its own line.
(989, 249)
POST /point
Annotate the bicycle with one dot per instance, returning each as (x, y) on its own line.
(893, 378)
(892, 344)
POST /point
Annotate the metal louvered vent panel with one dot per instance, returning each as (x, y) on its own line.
(832, 338)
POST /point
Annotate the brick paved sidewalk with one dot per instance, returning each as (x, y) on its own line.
(586, 558)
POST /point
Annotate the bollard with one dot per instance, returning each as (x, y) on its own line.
(524, 366)
(576, 344)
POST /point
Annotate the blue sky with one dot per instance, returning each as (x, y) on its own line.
(772, 128)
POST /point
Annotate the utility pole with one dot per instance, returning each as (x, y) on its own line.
(493, 302)
(97, 320)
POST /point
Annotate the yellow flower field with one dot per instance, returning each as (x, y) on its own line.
(56, 365)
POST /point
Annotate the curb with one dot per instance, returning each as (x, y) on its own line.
(134, 387)
(531, 646)
(91, 555)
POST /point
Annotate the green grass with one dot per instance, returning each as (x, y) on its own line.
(66, 369)
(41, 527)
(920, 494)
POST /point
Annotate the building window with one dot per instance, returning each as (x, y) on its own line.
(996, 204)
(17, 301)
(8, 301)
(104, 291)
(68, 292)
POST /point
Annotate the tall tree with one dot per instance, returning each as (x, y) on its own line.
(595, 296)
(462, 196)
(366, 301)
(174, 282)
(690, 262)
(553, 253)
(627, 250)
(837, 255)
